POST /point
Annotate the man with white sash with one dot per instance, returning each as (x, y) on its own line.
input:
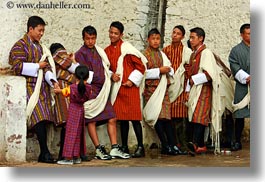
(179, 55)
(157, 107)
(99, 108)
(202, 91)
(239, 60)
(128, 67)
(34, 61)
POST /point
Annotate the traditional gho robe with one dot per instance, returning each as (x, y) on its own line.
(178, 56)
(239, 60)
(154, 81)
(24, 58)
(65, 75)
(94, 59)
(130, 64)
(75, 137)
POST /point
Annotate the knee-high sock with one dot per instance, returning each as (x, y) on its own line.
(159, 127)
(229, 125)
(169, 132)
(62, 136)
(124, 132)
(199, 134)
(239, 126)
(137, 127)
(40, 130)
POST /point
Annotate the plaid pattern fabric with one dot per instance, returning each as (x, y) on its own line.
(75, 126)
(92, 59)
(155, 60)
(26, 51)
(127, 105)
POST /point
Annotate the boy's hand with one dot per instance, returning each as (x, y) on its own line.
(164, 69)
(128, 83)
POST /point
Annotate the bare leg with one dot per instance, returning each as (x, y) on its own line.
(92, 131)
(112, 131)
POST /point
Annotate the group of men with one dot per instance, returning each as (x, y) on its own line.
(164, 89)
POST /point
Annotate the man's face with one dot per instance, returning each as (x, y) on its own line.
(154, 40)
(90, 40)
(36, 33)
(246, 35)
(114, 34)
(195, 40)
(176, 36)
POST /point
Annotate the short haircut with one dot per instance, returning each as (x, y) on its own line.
(244, 26)
(181, 28)
(34, 21)
(89, 30)
(118, 25)
(199, 31)
(55, 46)
(153, 31)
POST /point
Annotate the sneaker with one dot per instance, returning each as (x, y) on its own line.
(66, 162)
(118, 153)
(102, 154)
(77, 161)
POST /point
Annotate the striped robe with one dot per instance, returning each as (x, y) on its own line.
(75, 137)
(127, 104)
(202, 113)
(174, 54)
(65, 78)
(155, 60)
(92, 59)
(26, 51)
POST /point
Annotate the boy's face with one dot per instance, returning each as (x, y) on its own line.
(114, 34)
(195, 40)
(36, 33)
(177, 35)
(90, 40)
(154, 40)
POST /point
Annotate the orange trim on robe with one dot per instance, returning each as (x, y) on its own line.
(127, 105)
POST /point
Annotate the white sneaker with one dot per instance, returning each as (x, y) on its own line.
(102, 154)
(65, 162)
(118, 153)
(77, 161)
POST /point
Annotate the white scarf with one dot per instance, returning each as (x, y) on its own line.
(95, 106)
(126, 48)
(243, 103)
(153, 107)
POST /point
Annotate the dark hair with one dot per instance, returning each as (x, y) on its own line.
(81, 73)
(34, 21)
(89, 30)
(188, 44)
(153, 31)
(199, 31)
(244, 26)
(181, 28)
(118, 25)
(55, 46)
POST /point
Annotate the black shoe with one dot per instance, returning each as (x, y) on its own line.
(139, 152)
(179, 151)
(168, 150)
(192, 149)
(46, 158)
(236, 146)
(125, 149)
(85, 158)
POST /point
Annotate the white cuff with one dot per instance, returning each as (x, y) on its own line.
(199, 78)
(241, 76)
(50, 76)
(30, 69)
(136, 77)
(188, 86)
(110, 73)
(171, 73)
(153, 73)
(90, 78)
(73, 67)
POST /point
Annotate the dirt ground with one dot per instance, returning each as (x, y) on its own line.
(153, 158)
